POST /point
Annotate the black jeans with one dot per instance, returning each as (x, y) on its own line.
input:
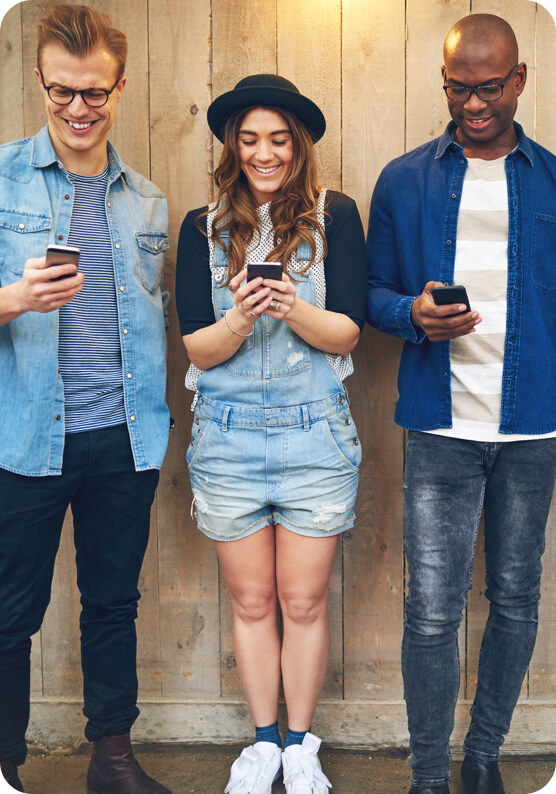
(111, 505)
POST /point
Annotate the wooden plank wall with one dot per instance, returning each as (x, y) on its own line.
(374, 67)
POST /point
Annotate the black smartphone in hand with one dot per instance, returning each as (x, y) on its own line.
(62, 255)
(264, 270)
(453, 293)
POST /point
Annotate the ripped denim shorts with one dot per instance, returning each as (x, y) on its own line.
(296, 466)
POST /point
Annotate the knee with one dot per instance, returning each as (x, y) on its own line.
(433, 618)
(303, 609)
(254, 606)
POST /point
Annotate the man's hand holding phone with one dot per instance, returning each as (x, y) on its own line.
(442, 321)
(47, 285)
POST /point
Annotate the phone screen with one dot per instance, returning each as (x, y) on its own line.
(265, 270)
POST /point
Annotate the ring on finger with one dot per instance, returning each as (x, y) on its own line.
(274, 305)
(253, 314)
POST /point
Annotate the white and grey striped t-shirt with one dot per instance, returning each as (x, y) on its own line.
(481, 265)
(89, 353)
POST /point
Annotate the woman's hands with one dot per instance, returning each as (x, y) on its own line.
(252, 298)
(282, 297)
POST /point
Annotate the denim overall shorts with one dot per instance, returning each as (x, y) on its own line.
(273, 441)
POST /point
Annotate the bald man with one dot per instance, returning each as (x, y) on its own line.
(476, 207)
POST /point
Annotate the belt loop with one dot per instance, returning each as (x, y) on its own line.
(225, 419)
(306, 423)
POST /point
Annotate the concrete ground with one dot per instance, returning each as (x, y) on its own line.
(203, 769)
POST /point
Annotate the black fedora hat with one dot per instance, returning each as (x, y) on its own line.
(266, 90)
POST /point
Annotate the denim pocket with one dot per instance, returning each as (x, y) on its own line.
(543, 247)
(199, 433)
(342, 433)
(151, 258)
(22, 235)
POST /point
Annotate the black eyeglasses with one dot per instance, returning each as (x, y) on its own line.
(486, 92)
(93, 97)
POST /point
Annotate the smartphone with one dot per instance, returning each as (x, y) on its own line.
(454, 293)
(265, 270)
(62, 255)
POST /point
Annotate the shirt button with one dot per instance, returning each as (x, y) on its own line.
(125, 331)
(132, 419)
(445, 374)
(122, 289)
(454, 195)
(462, 161)
(117, 245)
(355, 442)
(340, 400)
(218, 278)
(58, 418)
(348, 421)
(128, 375)
(60, 237)
(21, 226)
(156, 248)
(448, 242)
(66, 196)
(108, 204)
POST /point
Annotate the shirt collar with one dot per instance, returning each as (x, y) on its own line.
(523, 147)
(43, 154)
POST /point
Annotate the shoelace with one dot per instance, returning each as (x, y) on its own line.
(246, 769)
(304, 768)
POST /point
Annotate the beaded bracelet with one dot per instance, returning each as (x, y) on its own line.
(233, 330)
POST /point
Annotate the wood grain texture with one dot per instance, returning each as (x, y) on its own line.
(309, 54)
(11, 76)
(189, 614)
(373, 133)
(428, 23)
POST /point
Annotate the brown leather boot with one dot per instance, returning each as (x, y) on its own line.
(9, 772)
(114, 770)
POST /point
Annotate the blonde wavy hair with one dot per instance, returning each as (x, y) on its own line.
(293, 212)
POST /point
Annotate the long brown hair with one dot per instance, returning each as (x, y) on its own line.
(293, 212)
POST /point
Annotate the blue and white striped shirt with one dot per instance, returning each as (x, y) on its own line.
(89, 350)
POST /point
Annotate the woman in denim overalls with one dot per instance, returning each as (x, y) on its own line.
(274, 454)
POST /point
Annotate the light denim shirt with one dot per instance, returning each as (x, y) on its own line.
(36, 199)
(412, 239)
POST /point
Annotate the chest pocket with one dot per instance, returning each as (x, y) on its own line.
(151, 247)
(543, 252)
(22, 235)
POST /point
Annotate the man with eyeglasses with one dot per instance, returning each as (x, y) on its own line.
(82, 388)
(475, 207)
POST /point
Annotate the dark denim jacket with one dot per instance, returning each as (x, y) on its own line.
(412, 240)
(36, 199)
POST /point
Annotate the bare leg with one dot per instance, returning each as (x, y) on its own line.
(249, 568)
(303, 569)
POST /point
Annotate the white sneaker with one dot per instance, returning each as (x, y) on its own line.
(255, 770)
(302, 770)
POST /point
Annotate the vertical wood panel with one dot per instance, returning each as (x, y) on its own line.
(373, 133)
(11, 77)
(545, 79)
(309, 54)
(188, 569)
(428, 23)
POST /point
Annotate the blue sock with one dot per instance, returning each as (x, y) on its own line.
(294, 737)
(269, 734)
